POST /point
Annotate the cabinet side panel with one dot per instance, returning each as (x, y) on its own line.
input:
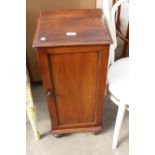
(75, 84)
(102, 73)
(47, 82)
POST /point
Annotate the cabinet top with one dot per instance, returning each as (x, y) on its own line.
(70, 28)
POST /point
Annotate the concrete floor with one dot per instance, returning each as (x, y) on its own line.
(78, 143)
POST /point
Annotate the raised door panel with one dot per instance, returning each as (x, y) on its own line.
(74, 80)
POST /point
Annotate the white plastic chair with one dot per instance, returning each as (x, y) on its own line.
(118, 72)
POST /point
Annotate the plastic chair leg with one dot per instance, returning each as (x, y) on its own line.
(119, 120)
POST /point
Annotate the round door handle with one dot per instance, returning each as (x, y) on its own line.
(50, 93)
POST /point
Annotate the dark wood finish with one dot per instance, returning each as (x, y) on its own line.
(88, 25)
(93, 129)
(126, 43)
(124, 37)
(65, 68)
(29, 68)
(73, 70)
(118, 18)
(113, 2)
(71, 13)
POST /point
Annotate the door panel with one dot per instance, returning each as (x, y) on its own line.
(74, 78)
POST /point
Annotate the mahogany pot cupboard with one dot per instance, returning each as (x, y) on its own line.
(72, 47)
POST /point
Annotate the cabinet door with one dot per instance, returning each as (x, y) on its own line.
(72, 82)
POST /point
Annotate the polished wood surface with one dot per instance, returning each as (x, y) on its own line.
(88, 25)
(74, 74)
(70, 90)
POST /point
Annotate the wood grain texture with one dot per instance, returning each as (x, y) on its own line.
(71, 13)
(74, 78)
(88, 25)
(72, 130)
(78, 82)
(43, 60)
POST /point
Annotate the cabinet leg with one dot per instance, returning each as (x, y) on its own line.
(57, 135)
(96, 132)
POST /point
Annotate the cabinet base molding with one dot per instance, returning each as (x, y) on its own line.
(94, 130)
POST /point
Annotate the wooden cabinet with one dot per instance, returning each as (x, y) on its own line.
(73, 50)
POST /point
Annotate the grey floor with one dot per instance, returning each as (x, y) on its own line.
(78, 143)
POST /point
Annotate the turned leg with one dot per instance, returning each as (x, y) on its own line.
(32, 117)
(31, 112)
(119, 120)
